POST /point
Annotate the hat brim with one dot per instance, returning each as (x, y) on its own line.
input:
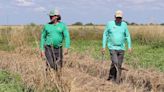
(118, 16)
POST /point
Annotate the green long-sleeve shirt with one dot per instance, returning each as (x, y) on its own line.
(116, 35)
(53, 34)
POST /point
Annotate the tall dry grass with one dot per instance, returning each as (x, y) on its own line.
(11, 36)
(81, 73)
(16, 35)
(147, 34)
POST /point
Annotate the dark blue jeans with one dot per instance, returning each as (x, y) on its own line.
(117, 57)
(54, 57)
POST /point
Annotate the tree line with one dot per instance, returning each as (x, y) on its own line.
(132, 23)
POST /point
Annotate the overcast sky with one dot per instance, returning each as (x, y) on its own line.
(95, 11)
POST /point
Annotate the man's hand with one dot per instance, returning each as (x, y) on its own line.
(66, 51)
(129, 50)
(42, 54)
(103, 50)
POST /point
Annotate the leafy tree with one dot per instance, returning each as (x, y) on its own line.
(89, 24)
(78, 23)
(162, 24)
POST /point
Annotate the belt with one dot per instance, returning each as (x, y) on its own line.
(54, 47)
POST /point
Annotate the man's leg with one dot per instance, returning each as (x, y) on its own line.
(49, 56)
(59, 57)
(113, 71)
(120, 59)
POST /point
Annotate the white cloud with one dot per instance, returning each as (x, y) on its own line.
(161, 5)
(140, 1)
(24, 2)
(40, 9)
(140, 4)
(31, 4)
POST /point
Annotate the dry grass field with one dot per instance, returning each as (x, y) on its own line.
(83, 70)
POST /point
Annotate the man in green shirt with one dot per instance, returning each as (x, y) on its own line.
(115, 35)
(52, 37)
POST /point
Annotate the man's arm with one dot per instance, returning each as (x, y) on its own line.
(42, 39)
(105, 36)
(67, 39)
(104, 39)
(42, 42)
(128, 38)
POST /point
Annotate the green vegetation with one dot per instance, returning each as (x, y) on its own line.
(143, 56)
(78, 24)
(146, 56)
(10, 82)
(148, 42)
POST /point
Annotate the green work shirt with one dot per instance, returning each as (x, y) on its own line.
(53, 34)
(116, 35)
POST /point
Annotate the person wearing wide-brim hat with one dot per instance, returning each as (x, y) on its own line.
(52, 36)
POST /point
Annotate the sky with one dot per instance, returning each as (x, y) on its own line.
(16, 12)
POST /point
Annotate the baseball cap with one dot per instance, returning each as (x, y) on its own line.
(118, 13)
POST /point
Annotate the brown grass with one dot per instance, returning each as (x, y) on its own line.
(147, 34)
(143, 34)
(80, 74)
